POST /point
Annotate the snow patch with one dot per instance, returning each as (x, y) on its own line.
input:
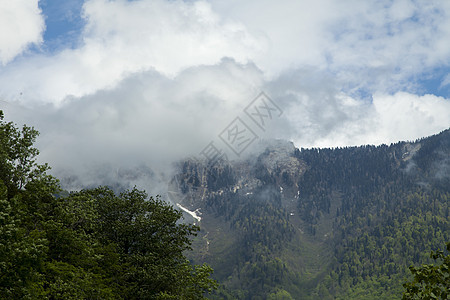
(194, 214)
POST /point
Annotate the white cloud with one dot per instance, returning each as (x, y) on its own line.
(404, 116)
(122, 38)
(167, 36)
(21, 24)
(149, 83)
(377, 45)
(387, 119)
(147, 120)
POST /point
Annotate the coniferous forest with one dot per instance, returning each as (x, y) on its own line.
(344, 223)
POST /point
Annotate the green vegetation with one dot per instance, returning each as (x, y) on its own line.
(346, 226)
(430, 281)
(319, 224)
(91, 244)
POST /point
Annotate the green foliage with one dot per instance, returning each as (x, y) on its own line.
(358, 216)
(91, 244)
(385, 219)
(279, 295)
(430, 281)
(17, 155)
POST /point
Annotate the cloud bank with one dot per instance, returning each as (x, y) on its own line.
(151, 82)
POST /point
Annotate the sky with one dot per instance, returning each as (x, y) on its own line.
(124, 88)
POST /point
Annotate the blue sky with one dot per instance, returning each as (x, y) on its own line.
(434, 82)
(96, 74)
(64, 23)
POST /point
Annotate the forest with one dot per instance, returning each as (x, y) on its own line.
(344, 223)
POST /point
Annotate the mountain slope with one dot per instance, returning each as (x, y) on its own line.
(320, 223)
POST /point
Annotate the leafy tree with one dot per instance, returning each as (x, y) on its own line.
(23, 245)
(430, 281)
(150, 242)
(91, 244)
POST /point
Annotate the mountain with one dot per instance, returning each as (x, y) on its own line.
(343, 223)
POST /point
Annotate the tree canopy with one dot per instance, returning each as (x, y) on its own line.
(91, 244)
(430, 281)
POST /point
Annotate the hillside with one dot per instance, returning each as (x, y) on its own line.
(341, 223)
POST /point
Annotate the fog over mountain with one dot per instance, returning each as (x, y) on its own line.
(121, 87)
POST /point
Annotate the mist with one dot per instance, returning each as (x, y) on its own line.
(146, 84)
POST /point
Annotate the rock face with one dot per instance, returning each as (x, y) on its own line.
(276, 166)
